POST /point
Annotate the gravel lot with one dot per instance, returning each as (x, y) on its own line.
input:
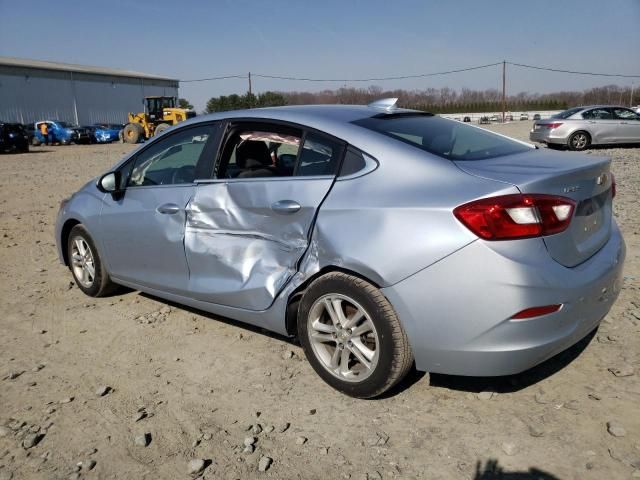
(184, 386)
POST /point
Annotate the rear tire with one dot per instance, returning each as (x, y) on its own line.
(367, 328)
(579, 141)
(35, 142)
(161, 128)
(132, 133)
(86, 265)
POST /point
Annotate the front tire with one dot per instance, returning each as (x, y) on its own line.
(86, 265)
(161, 128)
(579, 141)
(132, 133)
(352, 336)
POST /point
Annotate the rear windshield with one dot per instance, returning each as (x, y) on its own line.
(445, 138)
(568, 113)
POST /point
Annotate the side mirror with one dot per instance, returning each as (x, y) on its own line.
(110, 182)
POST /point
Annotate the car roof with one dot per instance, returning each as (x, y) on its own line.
(588, 107)
(332, 119)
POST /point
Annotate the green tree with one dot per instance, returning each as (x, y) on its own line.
(184, 103)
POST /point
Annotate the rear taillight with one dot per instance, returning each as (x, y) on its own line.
(509, 217)
(553, 125)
(613, 186)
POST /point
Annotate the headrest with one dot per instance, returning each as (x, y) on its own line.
(255, 150)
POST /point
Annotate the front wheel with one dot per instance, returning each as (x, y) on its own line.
(86, 265)
(161, 128)
(352, 336)
(132, 133)
(579, 141)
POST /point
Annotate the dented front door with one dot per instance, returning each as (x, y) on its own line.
(244, 237)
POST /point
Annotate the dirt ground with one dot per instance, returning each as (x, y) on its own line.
(197, 385)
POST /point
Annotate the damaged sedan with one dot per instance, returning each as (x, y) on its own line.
(383, 238)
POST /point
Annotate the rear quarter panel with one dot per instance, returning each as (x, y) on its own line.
(398, 219)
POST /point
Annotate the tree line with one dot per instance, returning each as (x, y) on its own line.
(436, 100)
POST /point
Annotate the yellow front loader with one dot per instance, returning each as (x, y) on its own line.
(160, 113)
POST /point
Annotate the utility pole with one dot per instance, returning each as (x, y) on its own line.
(504, 89)
(250, 92)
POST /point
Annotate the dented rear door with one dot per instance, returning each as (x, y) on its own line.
(244, 237)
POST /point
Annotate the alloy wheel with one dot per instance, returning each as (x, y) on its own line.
(82, 262)
(579, 141)
(343, 337)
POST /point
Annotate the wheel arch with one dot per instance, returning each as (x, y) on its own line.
(64, 237)
(293, 301)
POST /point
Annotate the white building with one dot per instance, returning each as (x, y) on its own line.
(33, 90)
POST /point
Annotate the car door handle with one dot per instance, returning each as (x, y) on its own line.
(168, 208)
(285, 207)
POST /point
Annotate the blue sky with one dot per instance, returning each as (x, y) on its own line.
(330, 38)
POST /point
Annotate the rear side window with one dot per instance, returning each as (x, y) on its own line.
(264, 151)
(567, 113)
(319, 156)
(353, 162)
(446, 138)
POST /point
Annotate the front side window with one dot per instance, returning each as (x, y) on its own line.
(598, 114)
(446, 138)
(171, 160)
(625, 114)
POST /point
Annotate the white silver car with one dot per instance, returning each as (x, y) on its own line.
(579, 128)
(380, 237)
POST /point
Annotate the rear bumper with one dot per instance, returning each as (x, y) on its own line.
(457, 312)
(548, 136)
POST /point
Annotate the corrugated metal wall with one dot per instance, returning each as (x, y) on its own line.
(29, 95)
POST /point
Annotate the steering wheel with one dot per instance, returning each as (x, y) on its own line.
(184, 174)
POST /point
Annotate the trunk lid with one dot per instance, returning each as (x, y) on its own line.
(586, 179)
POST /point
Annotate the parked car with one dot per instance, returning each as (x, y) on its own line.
(105, 132)
(536, 116)
(466, 119)
(367, 231)
(524, 116)
(29, 130)
(484, 120)
(494, 118)
(13, 138)
(63, 133)
(579, 128)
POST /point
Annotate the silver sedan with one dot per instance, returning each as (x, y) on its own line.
(579, 128)
(382, 238)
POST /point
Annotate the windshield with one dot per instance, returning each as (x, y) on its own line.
(568, 113)
(445, 138)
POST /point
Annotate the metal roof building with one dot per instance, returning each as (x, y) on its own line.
(33, 90)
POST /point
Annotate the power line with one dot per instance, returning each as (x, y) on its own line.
(404, 77)
(212, 78)
(549, 69)
(379, 79)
